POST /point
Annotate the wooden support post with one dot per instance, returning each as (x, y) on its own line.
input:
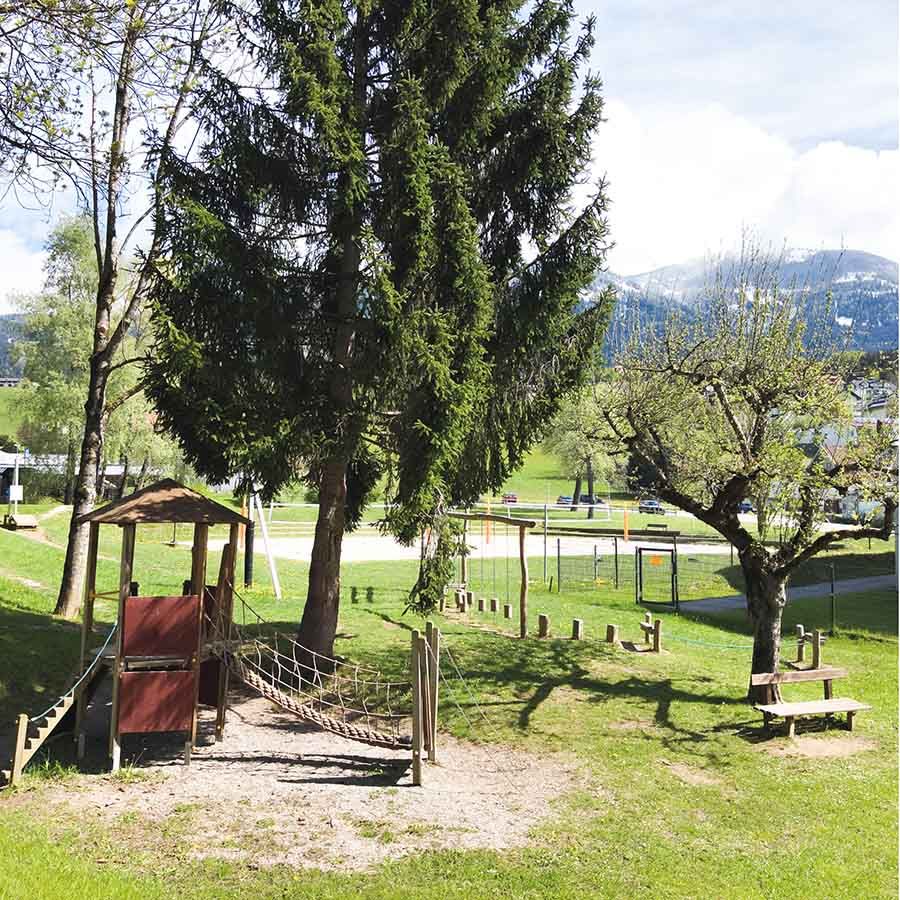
(481, 604)
(657, 636)
(543, 625)
(87, 627)
(495, 604)
(648, 620)
(198, 588)
(817, 649)
(577, 629)
(425, 685)
(523, 587)
(416, 672)
(612, 634)
(801, 643)
(507, 610)
(125, 566)
(789, 721)
(433, 640)
(18, 760)
(464, 557)
(225, 607)
(470, 599)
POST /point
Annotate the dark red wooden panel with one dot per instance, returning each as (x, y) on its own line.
(209, 682)
(156, 701)
(161, 626)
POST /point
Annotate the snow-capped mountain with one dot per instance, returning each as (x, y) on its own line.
(863, 285)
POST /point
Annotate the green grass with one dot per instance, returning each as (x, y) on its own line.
(752, 824)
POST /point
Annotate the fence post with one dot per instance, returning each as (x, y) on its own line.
(833, 604)
(433, 644)
(558, 568)
(612, 634)
(416, 670)
(817, 649)
(616, 554)
(657, 636)
(546, 524)
(507, 610)
(577, 629)
(801, 644)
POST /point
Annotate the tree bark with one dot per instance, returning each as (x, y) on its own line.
(68, 602)
(320, 614)
(142, 474)
(577, 495)
(120, 493)
(589, 469)
(766, 598)
(70, 473)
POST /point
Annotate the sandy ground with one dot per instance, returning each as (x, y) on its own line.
(278, 791)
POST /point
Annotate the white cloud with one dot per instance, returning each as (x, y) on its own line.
(20, 269)
(687, 183)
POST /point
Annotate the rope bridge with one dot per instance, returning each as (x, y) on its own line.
(350, 700)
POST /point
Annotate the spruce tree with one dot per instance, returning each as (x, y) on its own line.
(375, 261)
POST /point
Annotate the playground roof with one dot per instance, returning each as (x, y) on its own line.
(165, 501)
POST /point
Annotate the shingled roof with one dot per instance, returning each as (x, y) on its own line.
(164, 501)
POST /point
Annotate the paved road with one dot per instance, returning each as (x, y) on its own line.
(849, 585)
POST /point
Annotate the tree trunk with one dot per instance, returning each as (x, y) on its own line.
(766, 598)
(68, 603)
(120, 493)
(589, 469)
(577, 495)
(320, 614)
(142, 474)
(70, 473)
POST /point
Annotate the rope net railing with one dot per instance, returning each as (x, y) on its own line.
(349, 699)
(85, 676)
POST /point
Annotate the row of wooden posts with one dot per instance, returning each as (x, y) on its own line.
(466, 601)
(814, 638)
(425, 666)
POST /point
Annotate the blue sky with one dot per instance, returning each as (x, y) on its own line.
(780, 117)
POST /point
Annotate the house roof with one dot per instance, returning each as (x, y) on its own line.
(165, 501)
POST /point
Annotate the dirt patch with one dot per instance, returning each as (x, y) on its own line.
(690, 775)
(633, 725)
(276, 791)
(814, 747)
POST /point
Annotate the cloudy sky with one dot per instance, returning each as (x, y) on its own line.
(780, 117)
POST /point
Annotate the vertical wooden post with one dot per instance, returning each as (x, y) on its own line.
(523, 588)
(19, 749)
(543, 625)
(225, 609)
(470, 597)
(126, 564)
(416, 672)
(817, 649)
(648, 619)
(198, 588)
(800, 643)
(87, 626)
(432, 648)
(425, 684)
(612, 634)
(481, 604)
(657, 636)
(495, 604)
(464, 558)
(507, 610)
(577, 629)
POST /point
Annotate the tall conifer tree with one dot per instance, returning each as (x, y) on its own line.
(375, 262)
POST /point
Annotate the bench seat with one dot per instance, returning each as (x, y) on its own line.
(791, 711)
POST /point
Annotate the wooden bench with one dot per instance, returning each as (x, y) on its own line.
(830, 705)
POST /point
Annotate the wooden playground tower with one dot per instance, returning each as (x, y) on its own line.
(159, 676)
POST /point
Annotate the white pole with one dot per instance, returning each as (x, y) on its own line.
(276, 584)
(16, 485)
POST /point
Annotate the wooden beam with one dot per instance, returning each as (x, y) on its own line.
(523, 587)
(416, 671)
(226, 615)
(126, 564)
(490, 517)
(434, 669)
(199, 552)
(18, 760)
(87, 626)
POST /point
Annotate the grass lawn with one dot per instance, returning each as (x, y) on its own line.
(681, 797)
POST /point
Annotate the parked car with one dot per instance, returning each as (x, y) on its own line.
(510, 498)
(651, 507)
(745, 506)
(593, 501)
(563, 500)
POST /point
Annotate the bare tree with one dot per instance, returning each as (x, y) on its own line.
(97, 109)
(745, 396)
